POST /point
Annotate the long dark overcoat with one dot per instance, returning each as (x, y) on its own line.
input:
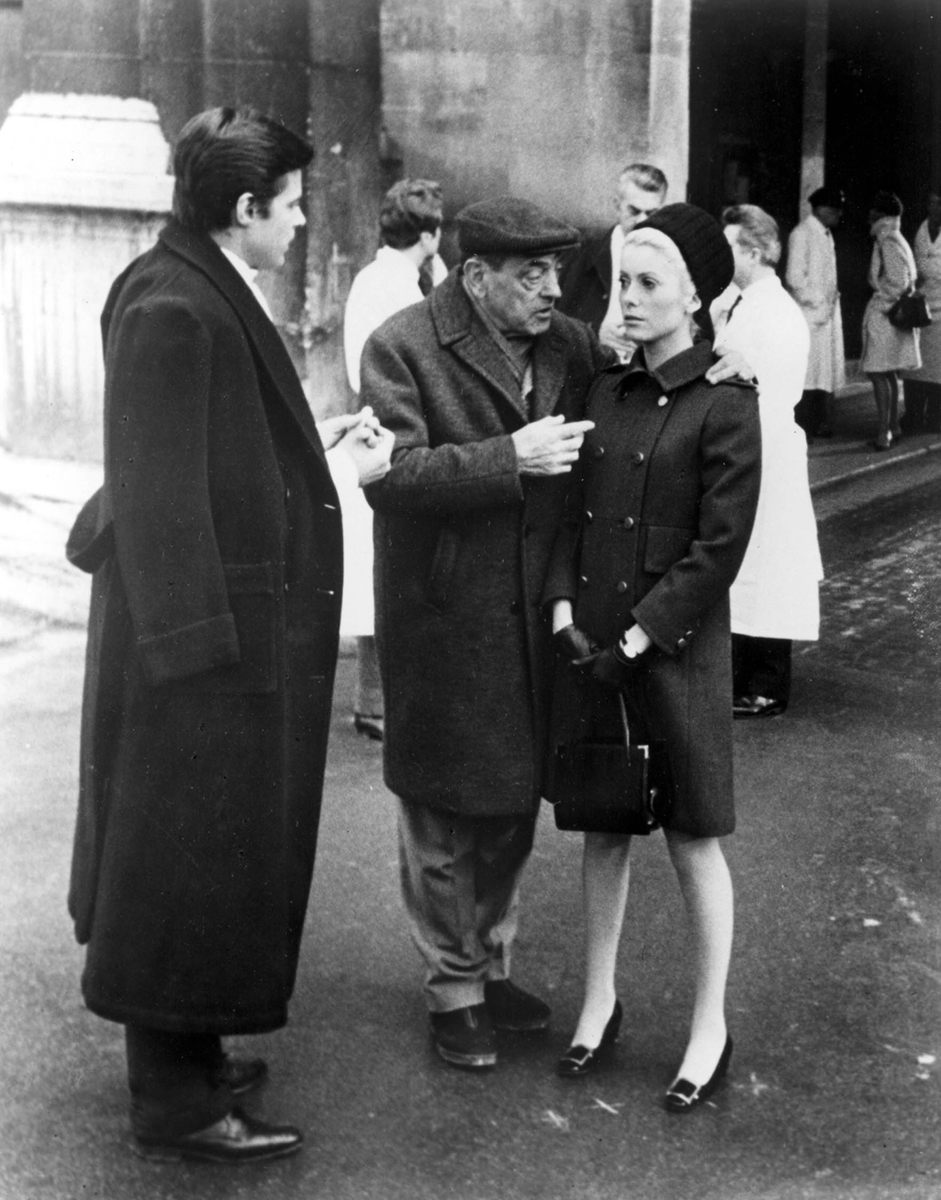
(462, 544)
(217, 551)
(658, 520)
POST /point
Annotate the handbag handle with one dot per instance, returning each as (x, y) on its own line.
(627, 728)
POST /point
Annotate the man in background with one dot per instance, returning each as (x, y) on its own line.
(812, 280)
(589, 282)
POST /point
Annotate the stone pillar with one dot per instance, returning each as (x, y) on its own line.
(346, 185)
(814, 142)
(83, 191)
(546, 101)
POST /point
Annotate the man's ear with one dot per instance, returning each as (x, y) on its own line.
(474, 271)
(693, 304)
(245, 209)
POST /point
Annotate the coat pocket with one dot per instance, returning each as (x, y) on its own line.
(443, 563)
(665, 545)
(253, 603)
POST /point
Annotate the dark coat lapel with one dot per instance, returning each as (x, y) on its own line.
(549, 359)
(270, 352)
(465, 335)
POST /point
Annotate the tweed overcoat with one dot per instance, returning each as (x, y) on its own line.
(461, 547)
(216, 549)
(658, 520)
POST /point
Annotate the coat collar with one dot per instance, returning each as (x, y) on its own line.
(204, 255)
(462, 331)
(683, 368)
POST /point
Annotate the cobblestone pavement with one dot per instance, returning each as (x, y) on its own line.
(881, 598)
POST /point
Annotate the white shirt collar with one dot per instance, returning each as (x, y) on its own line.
(250, 275)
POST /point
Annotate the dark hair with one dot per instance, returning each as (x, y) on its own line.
(886, 203)
(757, 230)
(223, 153)
(410, 208)
(646, 177)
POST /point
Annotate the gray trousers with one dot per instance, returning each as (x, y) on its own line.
(460, 884)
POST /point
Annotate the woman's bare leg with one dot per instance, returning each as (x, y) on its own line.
(707, 892)
(605, 881)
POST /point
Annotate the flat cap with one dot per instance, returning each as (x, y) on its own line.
(827, 197)
(507, 225)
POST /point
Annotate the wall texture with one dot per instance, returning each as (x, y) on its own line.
(545, 100)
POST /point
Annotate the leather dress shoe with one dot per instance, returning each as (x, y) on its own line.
(757, 706)
(241, 1075)
(683, 1096)
(236, 1138)
(464, 1037)
(514, 1010)
(580, 1060)
(372, 727)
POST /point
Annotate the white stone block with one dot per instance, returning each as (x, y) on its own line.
(84, 151)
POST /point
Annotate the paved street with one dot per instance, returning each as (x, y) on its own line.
(835, 996)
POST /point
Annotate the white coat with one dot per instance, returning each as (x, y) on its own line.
(891, 275)
(775, 593)
(811, 279)
(385, 286)
(928, 263)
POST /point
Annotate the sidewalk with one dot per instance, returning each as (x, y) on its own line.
(847, 455)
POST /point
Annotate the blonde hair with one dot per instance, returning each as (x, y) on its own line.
(670, 252)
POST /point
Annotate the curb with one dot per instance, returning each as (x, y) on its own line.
(869, 468)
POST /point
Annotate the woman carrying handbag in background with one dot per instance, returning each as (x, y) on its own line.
(886, 348)
(659, 517)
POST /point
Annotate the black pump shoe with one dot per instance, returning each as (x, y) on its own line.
(683, 1096)
(579, 1060)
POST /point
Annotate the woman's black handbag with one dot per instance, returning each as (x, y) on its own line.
(609, 784)
(910, 311)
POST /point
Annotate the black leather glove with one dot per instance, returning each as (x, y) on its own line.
(612, 667)
(574, 644)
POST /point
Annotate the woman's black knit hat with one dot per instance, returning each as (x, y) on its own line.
(701, 242)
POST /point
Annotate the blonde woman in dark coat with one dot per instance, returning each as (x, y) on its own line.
(665, 500)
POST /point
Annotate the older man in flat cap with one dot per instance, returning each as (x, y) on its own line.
(483, 385)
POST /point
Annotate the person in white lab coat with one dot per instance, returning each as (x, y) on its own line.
(410, 230)
(774, 598)
(812, 281)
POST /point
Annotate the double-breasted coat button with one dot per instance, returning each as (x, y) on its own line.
(662, 401)
(621, 587)
(515, 607)
(598, 452)
(589, 516)
(583, 580)
(637, 457)
(628, 522)
(681, 643)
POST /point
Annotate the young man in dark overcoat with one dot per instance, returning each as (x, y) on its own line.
(216, 548)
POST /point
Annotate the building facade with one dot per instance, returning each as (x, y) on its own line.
(736, 100)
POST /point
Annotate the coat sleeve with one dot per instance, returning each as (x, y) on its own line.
(157, 464)
(896, 276)
(439, 480)
(730, 465)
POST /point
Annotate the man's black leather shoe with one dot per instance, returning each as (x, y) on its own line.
(464, 1037)
(236, 1138)
(241, 1075)
(514, 1010)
